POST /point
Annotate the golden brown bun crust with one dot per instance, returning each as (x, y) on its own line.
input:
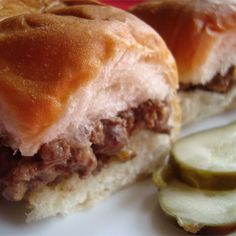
(46, 57)
(10, 8)
(189, 27)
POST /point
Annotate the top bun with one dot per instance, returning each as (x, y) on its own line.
(200, 33)
(64, 64)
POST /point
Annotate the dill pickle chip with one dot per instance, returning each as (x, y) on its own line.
(198, 210)
(207, 159)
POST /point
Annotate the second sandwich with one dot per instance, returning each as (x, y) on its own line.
(202, 37)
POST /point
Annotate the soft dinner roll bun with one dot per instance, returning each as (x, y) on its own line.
(66, 64)
(61, 70)
(202, 37)
(198, 105)
(75, 194)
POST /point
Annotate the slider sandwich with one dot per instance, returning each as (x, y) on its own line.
(87, 103)
(202, 37)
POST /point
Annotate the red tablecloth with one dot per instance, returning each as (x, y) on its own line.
(125, 4)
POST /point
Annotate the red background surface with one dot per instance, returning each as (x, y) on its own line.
(125, 4)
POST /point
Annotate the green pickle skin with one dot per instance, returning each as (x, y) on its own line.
(202, 179)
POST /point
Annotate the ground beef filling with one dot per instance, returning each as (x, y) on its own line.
(219, 84)
(58, 159)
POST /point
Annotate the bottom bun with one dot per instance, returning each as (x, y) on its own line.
(76, 194)
(199, 104)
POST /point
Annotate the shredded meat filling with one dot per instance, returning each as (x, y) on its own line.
(219, 84)
(58, 159)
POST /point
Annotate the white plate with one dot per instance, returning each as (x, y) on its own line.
(132, 211)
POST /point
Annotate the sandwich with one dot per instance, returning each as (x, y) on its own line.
(87, 103)
(202, 37)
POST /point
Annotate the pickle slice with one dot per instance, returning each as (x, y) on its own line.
(195, 209)
(207, 159)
